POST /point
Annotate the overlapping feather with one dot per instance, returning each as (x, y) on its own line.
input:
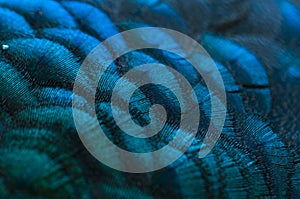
(255, 48)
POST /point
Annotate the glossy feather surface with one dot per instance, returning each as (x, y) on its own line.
(255, 47)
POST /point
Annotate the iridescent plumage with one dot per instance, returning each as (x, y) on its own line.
(255, 47)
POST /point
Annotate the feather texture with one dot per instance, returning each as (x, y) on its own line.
(255, 48)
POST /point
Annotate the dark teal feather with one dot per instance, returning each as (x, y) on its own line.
(152, 12)
(255, 47)
(14, 23)
(91, 19)
(41, 14)
(45, 57)
(246, 69)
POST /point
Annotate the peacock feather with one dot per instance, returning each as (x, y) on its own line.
(255, 46)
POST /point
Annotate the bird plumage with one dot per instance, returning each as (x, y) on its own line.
(255, 48)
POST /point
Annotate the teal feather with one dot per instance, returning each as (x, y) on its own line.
(13, 23)
(41, 14)
(152, 12)
(247, 70)
(45, 57)
(88, 19)
(79, 43)
(257, 155)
